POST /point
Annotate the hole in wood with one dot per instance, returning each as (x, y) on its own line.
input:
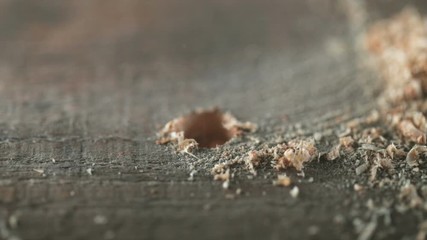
(207, 128)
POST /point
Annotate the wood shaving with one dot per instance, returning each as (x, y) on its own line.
(294, 192)
(370, 147)
(253, 160)
(237, 127)
(41, 171)
(171, 132)
(394, 152)
(282, 180)
(295, 154)
(414, 155)
(224, 177)
(221, 168)
(187, 146)
(334, 153)
(412, 133)
(347, 142)
(362, 168)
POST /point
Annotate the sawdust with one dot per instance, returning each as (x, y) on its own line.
(414, 155)
(187, 146)
(391, 143)
(411, 132)
(224, 176)
(282, 180)
(400, 48)
(334, 153)
(292, 154)
(294, 192)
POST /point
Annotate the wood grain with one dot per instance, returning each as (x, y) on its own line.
(88, 83)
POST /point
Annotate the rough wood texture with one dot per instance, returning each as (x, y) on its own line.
(88, 83)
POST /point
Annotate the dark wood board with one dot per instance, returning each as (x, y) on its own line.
(88, 84)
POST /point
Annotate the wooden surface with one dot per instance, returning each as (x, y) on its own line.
(88, 83)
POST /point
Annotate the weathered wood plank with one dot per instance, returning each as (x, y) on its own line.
(87, 83)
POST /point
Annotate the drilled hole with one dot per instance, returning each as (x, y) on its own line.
(207, 128)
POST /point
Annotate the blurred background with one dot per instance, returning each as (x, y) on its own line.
(121, 67)
(126, 67)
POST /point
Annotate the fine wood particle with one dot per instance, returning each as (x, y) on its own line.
(282, 180)
(294, 192)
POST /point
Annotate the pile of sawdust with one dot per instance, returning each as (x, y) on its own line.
(400, 48)
(395, 131)
(292, 154)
